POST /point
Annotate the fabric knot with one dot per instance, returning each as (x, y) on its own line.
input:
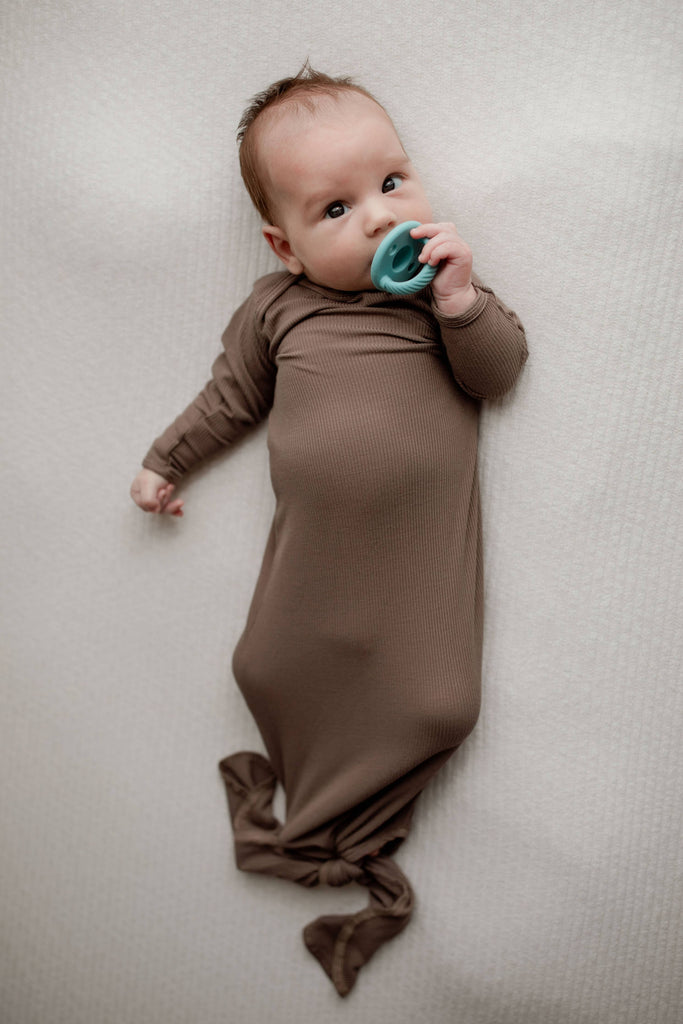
(338, 872)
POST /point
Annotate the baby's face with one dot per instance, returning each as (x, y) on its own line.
(339, 180)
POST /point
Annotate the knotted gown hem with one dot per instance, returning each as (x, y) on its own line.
(351, 848)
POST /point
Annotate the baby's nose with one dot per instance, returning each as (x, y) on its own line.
(379, 217)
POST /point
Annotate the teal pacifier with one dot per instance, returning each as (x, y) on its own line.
(395, 267)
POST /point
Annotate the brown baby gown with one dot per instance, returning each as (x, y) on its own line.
(360, 659)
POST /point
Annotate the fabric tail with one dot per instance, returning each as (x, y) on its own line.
(344, 943)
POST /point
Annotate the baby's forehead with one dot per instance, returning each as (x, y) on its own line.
(311, 110)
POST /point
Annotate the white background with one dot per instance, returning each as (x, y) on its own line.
(547, 855)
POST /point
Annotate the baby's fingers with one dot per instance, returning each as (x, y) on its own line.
(442, 241)
(175, 508)
(428, 253)
(165, 504)
(445, 249)
(425, 230)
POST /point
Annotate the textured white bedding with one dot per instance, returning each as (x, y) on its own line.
(551, 133)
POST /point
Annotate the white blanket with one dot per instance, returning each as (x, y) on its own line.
(551, 134)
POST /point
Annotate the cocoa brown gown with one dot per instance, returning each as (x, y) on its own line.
(360, 659)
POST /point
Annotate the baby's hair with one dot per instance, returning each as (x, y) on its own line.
(302, 90)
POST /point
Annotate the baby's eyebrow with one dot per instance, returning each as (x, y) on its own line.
(319, 199)
(399, 161)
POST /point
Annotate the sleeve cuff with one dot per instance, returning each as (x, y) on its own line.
(465, 318)
(157, 465)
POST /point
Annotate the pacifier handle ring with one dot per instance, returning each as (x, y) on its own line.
(395, 262)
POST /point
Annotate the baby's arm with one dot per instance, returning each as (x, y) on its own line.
(484, 340)
(153, 493)
(238, 395)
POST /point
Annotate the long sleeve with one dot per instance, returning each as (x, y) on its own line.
(238, 396)
(486, 345)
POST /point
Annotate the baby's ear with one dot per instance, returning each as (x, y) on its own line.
(278, 242)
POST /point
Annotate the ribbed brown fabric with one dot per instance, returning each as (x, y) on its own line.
(360, 660)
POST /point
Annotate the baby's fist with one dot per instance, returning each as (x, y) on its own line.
(152, 493)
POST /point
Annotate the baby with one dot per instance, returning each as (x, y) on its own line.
(360, 659)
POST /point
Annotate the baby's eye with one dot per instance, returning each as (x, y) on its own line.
(336, 210)
(392, 182)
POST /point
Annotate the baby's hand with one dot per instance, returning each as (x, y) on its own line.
(452, 286)
(153, 493)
